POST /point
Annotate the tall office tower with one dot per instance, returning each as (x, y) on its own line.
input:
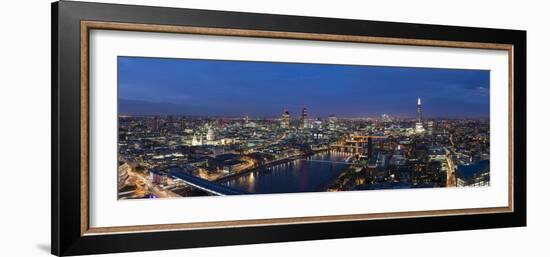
(285, 120)
(419, 128)
(332, 120)
(419, 111)
(303, 119)
(430, 127)
(155, 124)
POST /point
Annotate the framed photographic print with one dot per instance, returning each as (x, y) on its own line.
(177, 128)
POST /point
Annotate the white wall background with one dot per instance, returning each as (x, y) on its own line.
(25, 127)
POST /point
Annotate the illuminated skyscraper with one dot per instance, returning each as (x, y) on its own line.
(419, 111)
(285, 120)
(419, 128)
(332, 120)
(303, 120)
(430, 127)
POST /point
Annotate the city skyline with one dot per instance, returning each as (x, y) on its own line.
(221, 128)
(158, 86)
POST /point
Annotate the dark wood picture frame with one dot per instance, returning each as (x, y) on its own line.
(71, 22)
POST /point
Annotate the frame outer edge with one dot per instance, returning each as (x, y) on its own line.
(55, 129)
(520, 125)
(67, 111)
(65, 236)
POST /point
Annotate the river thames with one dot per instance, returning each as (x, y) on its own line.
(311, 174)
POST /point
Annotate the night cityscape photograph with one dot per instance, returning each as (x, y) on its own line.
(192, 127)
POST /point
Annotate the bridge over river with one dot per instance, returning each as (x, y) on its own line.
(208, 186)
(312, 174)
(325, 161)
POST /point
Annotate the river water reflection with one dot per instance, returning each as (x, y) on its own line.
(312, 174)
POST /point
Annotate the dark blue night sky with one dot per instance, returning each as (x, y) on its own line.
(158, 86)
